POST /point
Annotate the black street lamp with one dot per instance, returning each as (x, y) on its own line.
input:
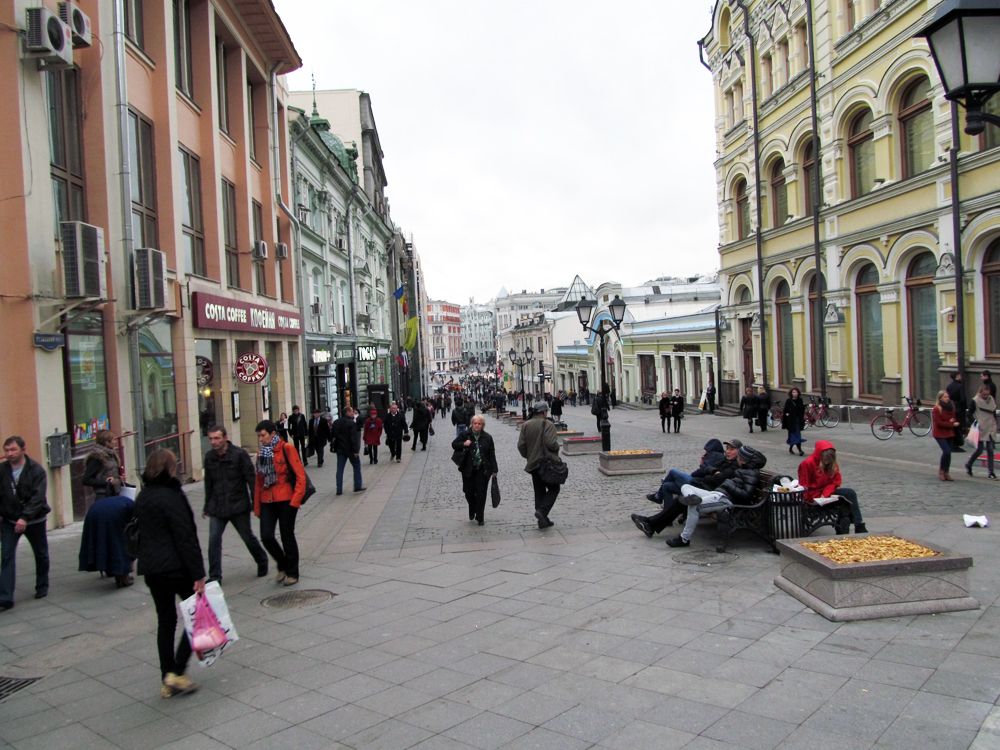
(519, 363)
(584, 311)
(963, 39)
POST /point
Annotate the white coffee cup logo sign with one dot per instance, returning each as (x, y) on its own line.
(251, 368)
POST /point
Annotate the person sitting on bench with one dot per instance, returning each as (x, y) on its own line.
(671, 484)
(820, 475)
(737, 490)
(709, 479)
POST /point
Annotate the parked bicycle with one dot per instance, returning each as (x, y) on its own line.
(885, 425)
(816, 412)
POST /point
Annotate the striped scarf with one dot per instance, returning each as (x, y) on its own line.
(265, 461)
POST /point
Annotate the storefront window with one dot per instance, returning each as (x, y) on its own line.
(158, 395)
(206, 371)
(88, 397)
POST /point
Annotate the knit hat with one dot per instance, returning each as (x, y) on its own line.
(539, 406)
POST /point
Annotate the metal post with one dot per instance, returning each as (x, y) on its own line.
(605, 423)
(956, 228)
(816, 188)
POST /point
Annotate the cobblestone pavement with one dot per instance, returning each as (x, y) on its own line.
(446, 636)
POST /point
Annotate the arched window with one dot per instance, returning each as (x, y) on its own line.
(916, 127)
(861, 143)
(742, 209)
(869, 314)
(779, 193)
(991, 287)
(922, 317)
(724, 29)
(814, 342)
(808, 176)
(743, 297)
(786, 335)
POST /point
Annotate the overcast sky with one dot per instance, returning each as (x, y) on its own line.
(526, 141)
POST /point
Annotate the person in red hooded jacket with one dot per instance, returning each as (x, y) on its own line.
(820, 475)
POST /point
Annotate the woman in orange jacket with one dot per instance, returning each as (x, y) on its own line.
(820, 475)
(279, 488)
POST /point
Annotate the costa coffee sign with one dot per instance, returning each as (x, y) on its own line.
(224, 314)
(251, 368)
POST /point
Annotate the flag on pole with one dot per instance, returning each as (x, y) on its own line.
(406, 306)
(398, 293)
(410, 339)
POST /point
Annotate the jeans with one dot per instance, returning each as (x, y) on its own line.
(545, 495)
(355, 464)
(672, 483)
(166, 590)
(35, 532)
(852, 499)
(990, 449)
(286, 554)
(677, 424)
(216, 526)
(945, 445)
(710, 502)
(475, 487)
(663, 424)
(300, 448)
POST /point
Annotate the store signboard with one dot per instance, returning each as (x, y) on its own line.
(367, 353)
(251, 368)
(226, 314)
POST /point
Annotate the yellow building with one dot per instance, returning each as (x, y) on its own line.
(883, 216)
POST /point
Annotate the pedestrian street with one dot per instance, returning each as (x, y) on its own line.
(412, 627)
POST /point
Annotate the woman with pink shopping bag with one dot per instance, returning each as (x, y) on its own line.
(208, 624)
(984, 432)
(170, 560)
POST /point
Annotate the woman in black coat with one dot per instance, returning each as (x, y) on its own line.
(476, 457)
(170, 559)
(748, 407)
(677, 409)
(793, 419)
(763, 408)
(664, 406)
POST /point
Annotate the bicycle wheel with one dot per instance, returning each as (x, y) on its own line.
(830, 418)
(774, 418)
(920, 424)
(808, 421)
(882, 427)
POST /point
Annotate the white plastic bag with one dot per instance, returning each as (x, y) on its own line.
(215, 597)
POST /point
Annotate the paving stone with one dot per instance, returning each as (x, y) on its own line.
(343, 722)
(389, 735)
(642, 734)
(439, 715)
(488, 730)
(543, 739)
(247, 728)
(909, 732)
(751, 730)
(587, 723)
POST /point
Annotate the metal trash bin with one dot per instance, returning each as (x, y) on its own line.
(786, 515)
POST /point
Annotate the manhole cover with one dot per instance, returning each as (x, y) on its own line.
(10, 685)
(292, 599)
(704, 557)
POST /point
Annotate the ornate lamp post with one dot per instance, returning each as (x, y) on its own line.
(963, 37)
(519, 363)
(584, 311)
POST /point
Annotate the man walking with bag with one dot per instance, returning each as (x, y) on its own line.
(538, 444)
(297, 431)
(319, 435)
(347, 444)
(23, 509)
(229, 486)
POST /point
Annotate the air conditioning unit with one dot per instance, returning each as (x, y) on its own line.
(259, 251)
(281, 250)
(78, 22)
(47, 39)
(150, 279)
(83, 260)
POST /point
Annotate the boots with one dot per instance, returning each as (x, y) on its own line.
(941, 475)
(947, 477)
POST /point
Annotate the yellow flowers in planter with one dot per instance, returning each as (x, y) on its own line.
(637, 452)
(869, 549)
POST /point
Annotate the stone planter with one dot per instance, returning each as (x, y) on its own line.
(871, 590)
(581, 446)
(563, 434)
(618, 464)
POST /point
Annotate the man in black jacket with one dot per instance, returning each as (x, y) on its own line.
(229, 484)
(462, 415)
(420, 422)
(956, 392)
(319, 435)
(297, 431)
(346, 444)
(394, 425)
(738, 489)
(23, 509)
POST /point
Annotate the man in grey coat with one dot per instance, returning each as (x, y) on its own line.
(537, 443)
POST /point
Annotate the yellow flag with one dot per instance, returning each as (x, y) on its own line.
(410, 339)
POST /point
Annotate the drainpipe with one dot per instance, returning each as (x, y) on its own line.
(758, 239)
(818, 311)
(125, 188)
(956, 228)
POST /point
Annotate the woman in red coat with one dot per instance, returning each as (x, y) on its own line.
(820, 475)
(944, 420)
(372, 435)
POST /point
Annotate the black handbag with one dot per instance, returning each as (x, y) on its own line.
(293, 480)
(553, 471)
(406, 437)
(495, 491)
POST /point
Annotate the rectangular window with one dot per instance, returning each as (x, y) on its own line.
(258, 229)
(251, 135)
(221, 85)
(192, 228)
(133, 22)
(88, 392)
(767, 84)
(786, 345)
(229, 236)
(783, 70)
(802, 41)
(143, 181)
(870, 339)
(65, 148)
(182, 45)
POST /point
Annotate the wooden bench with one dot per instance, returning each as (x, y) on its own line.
(779, 515)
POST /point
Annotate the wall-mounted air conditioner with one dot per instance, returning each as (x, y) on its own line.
(47, 39)
(83, 260)
(281, 250)
(259, 251)
(78, 22)
(150, 279)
